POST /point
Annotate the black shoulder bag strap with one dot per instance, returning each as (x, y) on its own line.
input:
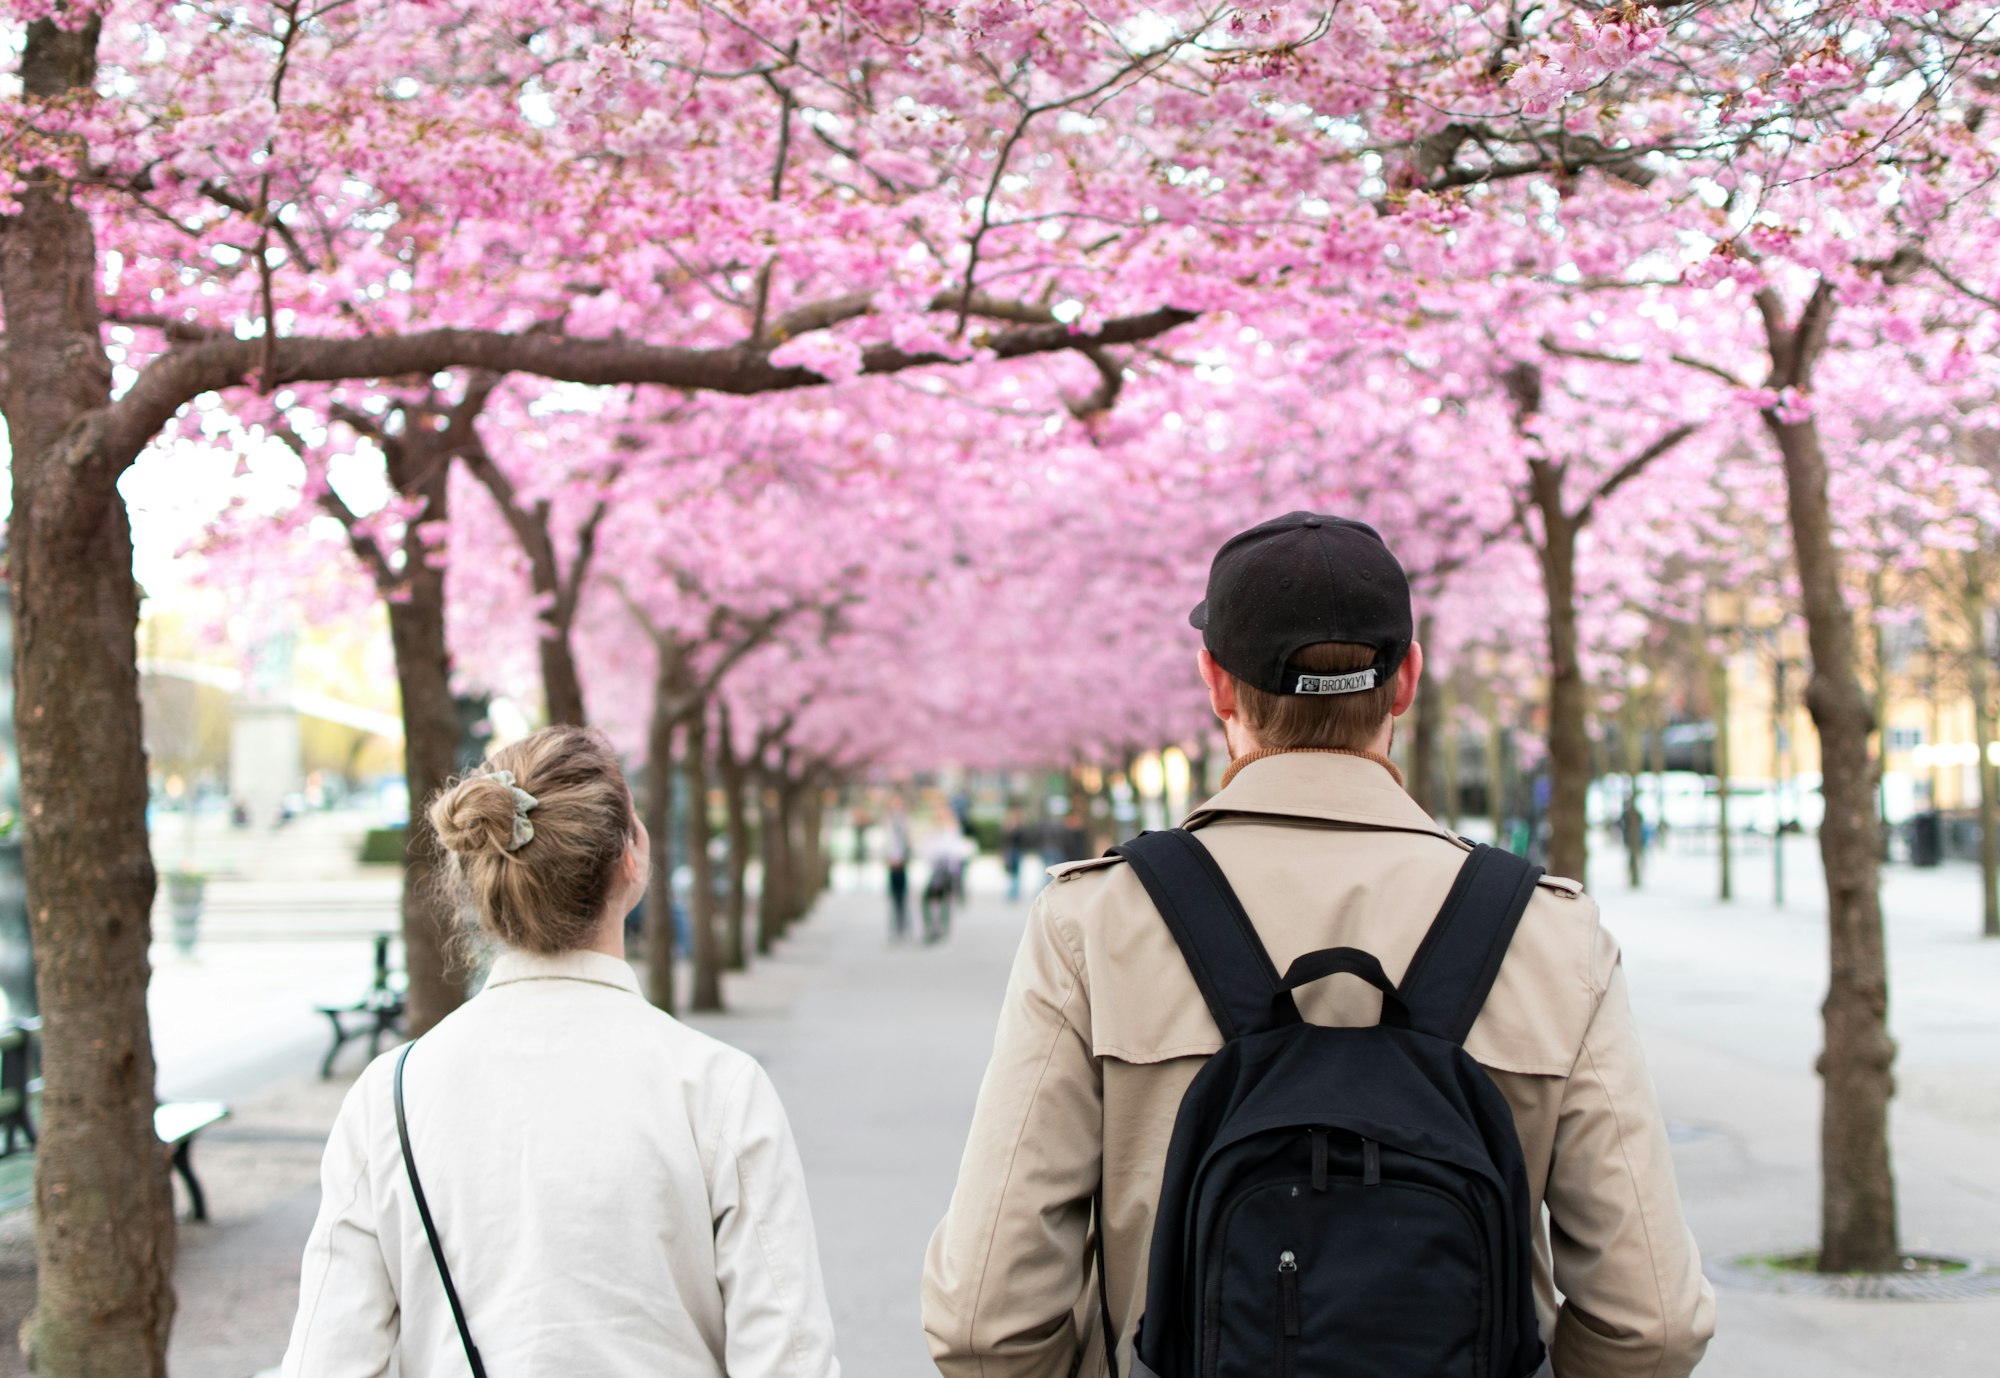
(1454, 968)
(430, 1229)
(1222, 950)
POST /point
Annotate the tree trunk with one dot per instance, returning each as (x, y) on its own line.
(1496, 766)
(729, 768)
(1447, 704)
(562, 687)
(707, 996)
(1978, 681)
(1879, 699)
(1858, 1193)
(1569, 732)
(1422, 735)
(812, 828)
(1718, 693)
(430, 756)
(104, 1235)
(771, 846)
(660, 936)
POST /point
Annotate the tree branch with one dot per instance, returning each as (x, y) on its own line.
(1632, 468)
(181, 375)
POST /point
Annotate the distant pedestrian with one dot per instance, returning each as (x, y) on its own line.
(896, 858)
(946, 851)
(1073, 838)
(600, 1188)
(1013, 850)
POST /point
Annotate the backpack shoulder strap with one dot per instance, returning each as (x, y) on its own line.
(1221, 947)
(1454, 968)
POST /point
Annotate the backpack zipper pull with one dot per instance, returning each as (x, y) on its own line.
(1318, 1137)
(1371, 1163)
(1288, 1291)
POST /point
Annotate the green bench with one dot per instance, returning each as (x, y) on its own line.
(176, 1123)
(377, 1015)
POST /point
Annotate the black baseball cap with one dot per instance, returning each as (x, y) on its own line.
(1298, 580)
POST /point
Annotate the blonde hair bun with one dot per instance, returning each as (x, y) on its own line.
(475, 815)
(547, 892)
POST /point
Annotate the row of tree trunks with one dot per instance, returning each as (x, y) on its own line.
(104, 1237)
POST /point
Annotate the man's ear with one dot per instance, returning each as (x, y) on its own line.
(1407, 675)
(1221, 686)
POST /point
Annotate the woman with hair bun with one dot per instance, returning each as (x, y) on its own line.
(559, 1179)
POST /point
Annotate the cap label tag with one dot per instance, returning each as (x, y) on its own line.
(1337, 684)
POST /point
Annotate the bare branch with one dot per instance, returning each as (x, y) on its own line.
(1632, 468)
(182, 374)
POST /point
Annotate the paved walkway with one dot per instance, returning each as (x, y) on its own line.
(877, 1050)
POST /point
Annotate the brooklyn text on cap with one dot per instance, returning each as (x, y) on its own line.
(1296, 581)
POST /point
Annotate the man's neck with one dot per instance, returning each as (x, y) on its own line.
(1261, 753)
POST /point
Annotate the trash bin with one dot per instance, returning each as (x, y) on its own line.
(1926, 838)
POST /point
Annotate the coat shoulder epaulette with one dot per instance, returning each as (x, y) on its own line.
(1562, 885)
(1065, 870)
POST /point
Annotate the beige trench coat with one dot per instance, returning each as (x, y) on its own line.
(1103, 1029)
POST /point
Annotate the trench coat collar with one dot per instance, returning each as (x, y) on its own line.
(1322, 787)
(596, 968)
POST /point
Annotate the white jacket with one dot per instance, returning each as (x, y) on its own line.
(616, 1195)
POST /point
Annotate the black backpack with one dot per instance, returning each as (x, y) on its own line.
(1339, 1202)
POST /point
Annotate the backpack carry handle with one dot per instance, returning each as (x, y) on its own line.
(1349, 961)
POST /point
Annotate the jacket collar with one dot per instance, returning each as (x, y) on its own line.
(597, 968)
(1320, 786)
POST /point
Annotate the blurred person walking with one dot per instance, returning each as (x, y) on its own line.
(1441, 1174)
(559, 1177)
(896, 859)
(1013, 851)
(946, 851)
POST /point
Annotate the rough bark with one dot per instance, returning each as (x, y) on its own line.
(430, 756)
(1569, 730)
(1858, 1197)
(659, 825)
(559, 591)
(1555, 551)
(707, 996)
(1979, 686)
(104, 1236)
(771, 854)
(730, 774)
(419, 469)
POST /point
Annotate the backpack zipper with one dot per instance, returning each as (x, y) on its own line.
(1288, 1312)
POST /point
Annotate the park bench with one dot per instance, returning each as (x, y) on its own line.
(176, 1123)
(375, 1014)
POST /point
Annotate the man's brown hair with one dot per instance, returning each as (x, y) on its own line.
(1345, 721)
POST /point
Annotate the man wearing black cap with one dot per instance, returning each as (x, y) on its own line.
(1308, 656)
